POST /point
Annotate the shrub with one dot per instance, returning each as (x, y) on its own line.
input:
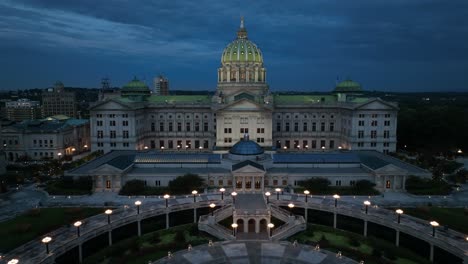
(155, 239)
(34, 212)
(316, 185)
(354, 242)
(22, 228)
(179, 237)
(185, 184)
(133, 187)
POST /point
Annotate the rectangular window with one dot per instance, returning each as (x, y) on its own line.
(338, 183)
(375, 115)
(386, 144)
(113, 134)
(244, 130)
(296, 127)
(112, 123)
(188, 144)
(126, 144)
(244, 120)
(227, 140)
(179, 144)
(305, 144)
(362, 115)
(322, 126)
(296, 144)
(361, 134)
(374, 123)
(304, 127)
(161, 126)
(275, 182)
(332, 127)
(171, 144)
(197, 126)
(161, 144)
(170, 126)
(360, 144)
(373, 144)
(386, 134)
(153, 127)
(220, 182)
(125, 123)
(108, 184)
(387, 123)
(227, 120)
(205, 144)
(187, 127)
(374, 134)
(322, 143)
(260, 130)
(113, 144)
(285, 182)
(197, 144)
(331, 144)
(361, 123)
(125, 134)
(314, 144)
(99, 123)
(227, 130)
(179, 126)
(278, 127)
(287, 127)
(205, 126)
(287, 144)
(260, 140)
(100, 134)
(314, 126)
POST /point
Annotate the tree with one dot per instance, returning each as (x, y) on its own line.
(185, 184)
(316, 185)
(133, 187)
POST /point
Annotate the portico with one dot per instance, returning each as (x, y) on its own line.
(248, 176)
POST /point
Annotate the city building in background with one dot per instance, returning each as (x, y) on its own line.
(57, 101)
(242, 105)
(161, 85)
(107, 92)
(51, 138)
(23, 109)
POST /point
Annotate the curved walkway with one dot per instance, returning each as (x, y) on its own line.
(255, 252)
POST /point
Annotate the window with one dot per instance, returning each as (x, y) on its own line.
(99, 123)
(112, 115)
(374, 134)
(108, 184)
(287, 144)
(244, 130)
(171, 144)
(332, 127)
(360, 144)
(314, 126)
(220, 182)
(352, 183)
(187, 126)
(125, 123)
(205, 144)
(197, 126)
(331, 144)
(314, 144)
(179, 144)
(113, 134)
(361, 123)
(287, 127)
(296, 127)
(227, 140)
(161, 126)
(188, 144)
(278, 144)
(322, 143)
(373, 144)
(296, 144)
(260, 120)
(278, 127)
(161, 144)
(113, 144)
(99, 115)
(386, 144)
(125, 115)
(275, 182)
(322, 126)
(386, 134)
(227, 120)
(197, 144)
(153, 127)
(387, 123)
(305, 144)
(179, 126)
(375, 115)
(126, 144)
(157, 183)
(244, 120)
(112, 123)
(304, 127)
(285, 182)
(338, 183)
(361, 134)
(260, 140)
(227, 130)
(362, 115)
(205, 126)
(387, 115)
(125, 134)
(100, 144)
(260, 130)
(374, 123)
(170, 126)
(100, 134)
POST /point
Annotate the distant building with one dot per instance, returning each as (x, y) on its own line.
(49, 138)
(161, 85)
(107, 92)
(23, 109)
(56, 101)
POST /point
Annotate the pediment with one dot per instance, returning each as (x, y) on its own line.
(377, 104)
(9, 130)
(106, 169)
(390, 169)
(248, 169)
(243, 105)
(110, 105)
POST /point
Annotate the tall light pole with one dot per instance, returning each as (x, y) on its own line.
(267, 194)
(277, 190)
(399, 213)
(13, 261)
(234, 229)
(306, 193)
(270, 226)
(166, 197)
(194, 192)
(46, 241)
(222, 190)
(367, 203)
(291, 206)
(212, 206)
(108, 212)
(234, 194)
(77, 224)
(434, 224)
(336, 197)
(138, 203)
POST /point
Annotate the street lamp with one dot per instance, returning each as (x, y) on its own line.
(270, 226)
(367, 203)
(59, 155)
(233, 194)
(267, 194)
(434, 224)
(212, 206)
(108, 212)
(323, 148)
(138, 203)
(13, 261)
(46, 241)
(222, 190)
(166, 197)
(77, 224)
(146, 147)
(277, 190)
(399, 213)
(336, 197)
(234, 229)
(194, 192)
(306, 192)
(291, 206)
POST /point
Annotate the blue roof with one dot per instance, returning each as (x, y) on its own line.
(165, 157)
(246, 147)
(334, 157)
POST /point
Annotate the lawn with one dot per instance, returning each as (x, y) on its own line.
(38, 222)
(454, 218)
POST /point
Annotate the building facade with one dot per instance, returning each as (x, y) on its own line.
(57, 101)
(23, 109)
(45, 139)
(161, 85)
(243, 105)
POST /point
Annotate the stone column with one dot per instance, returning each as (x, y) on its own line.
(394, 182)
(262, 179)
(110, 237)
(80, 253)
(228, 75)
(404, 182)
(397, 239)
(237, 74)
(305, 212)
(243, 183)
(194, 215)
(139, 228)
(334, 220)
(252, 184)
(431, 253)
(257, 226)
(167, 220)
(246, 225)
(365, 228)
(256, 75)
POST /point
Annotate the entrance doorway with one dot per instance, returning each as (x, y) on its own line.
(388, 184)
(248, 184)
(251, 225)
(257, 184)
(263, 225)
(240, 225)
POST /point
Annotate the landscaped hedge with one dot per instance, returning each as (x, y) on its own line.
(322, 186)
(180, 185)
(70, 186)
(420, 186)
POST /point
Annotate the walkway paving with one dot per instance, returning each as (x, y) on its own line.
(250, 202)
(255, 252)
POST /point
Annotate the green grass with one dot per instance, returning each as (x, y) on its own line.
(38, 222)
(454, 218)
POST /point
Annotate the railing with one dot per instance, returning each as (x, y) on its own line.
(279, 213)
(290, 228)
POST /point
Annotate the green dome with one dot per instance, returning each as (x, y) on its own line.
(348, 86)
(135, 86)
(242, 50)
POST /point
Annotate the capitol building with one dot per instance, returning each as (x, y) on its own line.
(244, 137)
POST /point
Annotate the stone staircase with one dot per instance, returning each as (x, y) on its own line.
(292, 224)
(210, 224)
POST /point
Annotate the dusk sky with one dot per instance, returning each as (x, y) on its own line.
(392, 45)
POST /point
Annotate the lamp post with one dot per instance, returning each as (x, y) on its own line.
(222, 190)
(138, 203)
(434, 224)
(194, 192)
(270, 226)
(267, 194)
(234, 229)
(13, 261)
(46, 241)
(399, 213)
(108, 212)
(367, 203)
(166, 197)
(233, 194)
(336, 197)
(146, 147)
(291, 206)
(277, 190)
(77, 224)
(212, 206)
(306, 193)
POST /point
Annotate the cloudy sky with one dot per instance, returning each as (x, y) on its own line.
(391, 45)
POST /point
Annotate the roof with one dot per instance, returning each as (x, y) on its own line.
(246, 147)
(48, 126)
(122, 162)
(180, 99)
(328, 157)
(135, 85)
(175, 171)
(348, 86)
(287, 170)
(247, 163)
(168, 157)
(303, 99)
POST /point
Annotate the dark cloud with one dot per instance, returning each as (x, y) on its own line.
(394, 45)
